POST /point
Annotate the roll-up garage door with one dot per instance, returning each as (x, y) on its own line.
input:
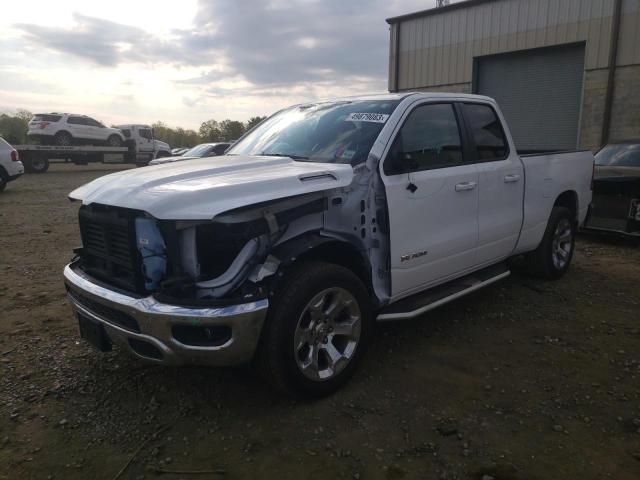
(539, 92)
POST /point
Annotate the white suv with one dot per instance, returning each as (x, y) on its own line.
(66, 129)
(10, 165)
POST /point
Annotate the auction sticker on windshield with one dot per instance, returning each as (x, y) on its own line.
(367, 117)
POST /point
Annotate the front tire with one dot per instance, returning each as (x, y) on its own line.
(316, 331)
(552, 258)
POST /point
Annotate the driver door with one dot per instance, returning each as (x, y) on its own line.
(432, 198)
(144, 140)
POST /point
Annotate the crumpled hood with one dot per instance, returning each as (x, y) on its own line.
(201, 189)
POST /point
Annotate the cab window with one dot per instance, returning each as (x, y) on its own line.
(486, 132)
(145, 133)
(429, 139)
(221, 148)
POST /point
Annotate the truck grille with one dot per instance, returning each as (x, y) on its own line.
(109, 246)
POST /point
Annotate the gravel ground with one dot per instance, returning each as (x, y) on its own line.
(523, 380)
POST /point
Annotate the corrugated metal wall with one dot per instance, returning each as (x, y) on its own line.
(439, 49)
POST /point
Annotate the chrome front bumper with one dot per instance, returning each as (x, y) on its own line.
(146, 327)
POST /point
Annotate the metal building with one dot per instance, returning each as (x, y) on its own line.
(566, 73)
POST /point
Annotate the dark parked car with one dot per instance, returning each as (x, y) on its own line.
(616, 189)
(199, 151)
(178, 151)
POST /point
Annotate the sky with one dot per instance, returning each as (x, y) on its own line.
(186, 61)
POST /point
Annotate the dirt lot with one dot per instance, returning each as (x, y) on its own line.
(523, 380)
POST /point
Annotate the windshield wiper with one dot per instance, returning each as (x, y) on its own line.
(293, 157)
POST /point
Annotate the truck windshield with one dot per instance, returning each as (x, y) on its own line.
(333, 132)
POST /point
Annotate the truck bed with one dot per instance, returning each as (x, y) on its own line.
(547, 176)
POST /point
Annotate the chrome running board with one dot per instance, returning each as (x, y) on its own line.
(423, 302)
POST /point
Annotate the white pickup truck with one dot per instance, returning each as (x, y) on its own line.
(320, 221)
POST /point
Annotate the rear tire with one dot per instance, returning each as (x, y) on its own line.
(316, 332)
(114, 141)
(3, 184)
(552, 258)
(63, 139)
(36, 164)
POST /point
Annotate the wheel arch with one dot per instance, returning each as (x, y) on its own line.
(314, 247)
(569, 200)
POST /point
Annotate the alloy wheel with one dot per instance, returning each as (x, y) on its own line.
(562, 243)
(327, 334)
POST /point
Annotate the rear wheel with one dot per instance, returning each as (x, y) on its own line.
(553, 256)
(63, 139)
(3, 184)
(114, 141)
(316, 331)
(36, 164)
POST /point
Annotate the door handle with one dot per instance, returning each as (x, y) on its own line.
(511, 178)
(464, 186)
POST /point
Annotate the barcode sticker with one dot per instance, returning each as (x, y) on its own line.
(367, 117)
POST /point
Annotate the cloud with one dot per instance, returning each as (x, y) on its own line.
(109, 44)
(268, 42)
(91, 38)
(237, 58)
(272, 42)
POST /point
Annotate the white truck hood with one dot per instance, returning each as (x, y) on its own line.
(201, 189)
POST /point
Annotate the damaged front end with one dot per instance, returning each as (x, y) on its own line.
(236, 256)
(229, 257)
(194, 262)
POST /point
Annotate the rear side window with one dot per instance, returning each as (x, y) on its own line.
(93, 123)
(42, 117)
(77, 121)
(428, 139)
(486, 132)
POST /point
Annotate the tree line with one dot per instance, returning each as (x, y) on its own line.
(13, 128)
